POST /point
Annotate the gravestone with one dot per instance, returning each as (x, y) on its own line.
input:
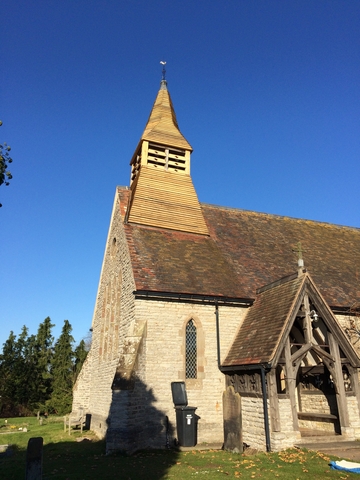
(34, 455)
(233, 438)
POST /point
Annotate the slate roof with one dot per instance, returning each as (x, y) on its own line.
(245, 250)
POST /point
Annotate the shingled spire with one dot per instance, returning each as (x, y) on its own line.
(162, 192)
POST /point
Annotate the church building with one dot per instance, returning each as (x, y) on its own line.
(214, 297)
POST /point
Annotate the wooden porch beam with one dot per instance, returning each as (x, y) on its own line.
(299, 354)
(274, 401)
(322, 353)
(291, 383)
(338, 380)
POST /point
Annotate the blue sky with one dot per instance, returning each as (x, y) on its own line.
(266, 92)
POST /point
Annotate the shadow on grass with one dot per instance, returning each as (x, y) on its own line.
(135, 426)
(86, 459)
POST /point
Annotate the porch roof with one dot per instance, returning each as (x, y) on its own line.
(263, 327)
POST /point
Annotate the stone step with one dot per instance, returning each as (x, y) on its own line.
(339, 449)
(321, 439)
(312, 442)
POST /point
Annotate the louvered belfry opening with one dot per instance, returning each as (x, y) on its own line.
(168, 158)
(162, 192)
(162, 157)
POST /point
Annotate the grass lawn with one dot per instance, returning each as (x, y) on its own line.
(79, 457)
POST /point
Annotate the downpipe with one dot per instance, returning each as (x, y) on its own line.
(217, 335)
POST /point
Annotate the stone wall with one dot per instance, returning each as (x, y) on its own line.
(112, 320)
(287, 437)
(318, 402)
(353, 323)
(81, 390)
(163, 360)
(253, 422)
(354, 414)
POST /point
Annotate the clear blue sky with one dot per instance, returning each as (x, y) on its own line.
(266, 92)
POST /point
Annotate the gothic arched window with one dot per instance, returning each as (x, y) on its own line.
(191, 350)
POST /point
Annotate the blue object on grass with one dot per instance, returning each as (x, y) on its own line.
(346, 466)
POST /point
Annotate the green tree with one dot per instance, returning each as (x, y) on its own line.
(62, 372)
(21, 370)
(5, 159)
(7, 362)
(17, 373)
(43, 354)
(80, 354)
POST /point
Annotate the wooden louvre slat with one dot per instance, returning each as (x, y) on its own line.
(166, 200)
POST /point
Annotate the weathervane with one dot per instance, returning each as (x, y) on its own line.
(163, 70)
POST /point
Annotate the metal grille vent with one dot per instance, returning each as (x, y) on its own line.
(191, 351)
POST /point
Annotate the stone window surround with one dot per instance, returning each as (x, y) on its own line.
(193, 383)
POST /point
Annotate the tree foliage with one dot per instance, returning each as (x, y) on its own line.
(5, 159)
(36, 374)
(80, 354)
(43, 356)
(62, 367)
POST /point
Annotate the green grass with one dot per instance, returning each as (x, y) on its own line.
(79, 457)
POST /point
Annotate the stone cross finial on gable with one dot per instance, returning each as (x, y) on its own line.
(299, 252)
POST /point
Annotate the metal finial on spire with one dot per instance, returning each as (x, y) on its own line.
(163, 69)
(163, 83)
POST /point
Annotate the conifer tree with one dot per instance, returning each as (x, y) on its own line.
(62, 372)
(43, 354)
(23, 371)
(7, 364)
(37, 375)
(17, 373)
(80, 354)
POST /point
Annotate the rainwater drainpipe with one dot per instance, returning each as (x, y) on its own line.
(265, 406)
(217, 333)
(247, 368)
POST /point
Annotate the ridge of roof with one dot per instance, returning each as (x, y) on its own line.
(275, 215)
(277, 283)
(265, 214)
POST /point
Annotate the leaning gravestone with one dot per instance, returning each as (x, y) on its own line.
(233, 438)
(34, 455)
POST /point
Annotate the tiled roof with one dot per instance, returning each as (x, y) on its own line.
(260, 247)
(259, 335)
(245, 251)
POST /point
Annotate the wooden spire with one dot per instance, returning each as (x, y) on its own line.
(162, 192)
